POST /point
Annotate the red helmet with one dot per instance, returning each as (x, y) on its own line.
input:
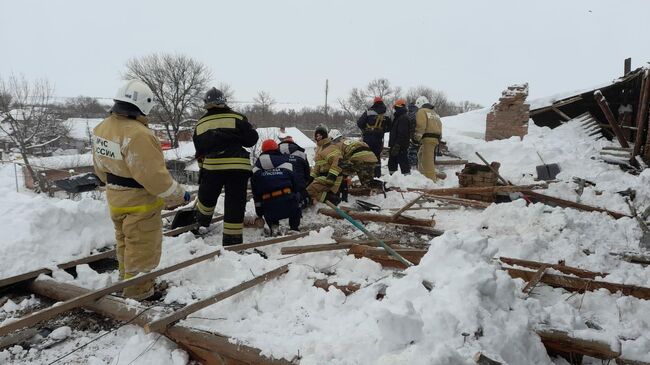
(377, 99)
(269, 145)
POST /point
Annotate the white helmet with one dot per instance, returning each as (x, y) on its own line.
(335, 134)
(421, 100)
(137, 93)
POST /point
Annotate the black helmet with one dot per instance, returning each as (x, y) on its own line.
(321, 130)
(214, 96)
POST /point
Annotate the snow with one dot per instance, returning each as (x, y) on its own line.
(62, 162)
(472, 306)
(82, 128)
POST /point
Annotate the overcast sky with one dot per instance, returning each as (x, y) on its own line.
(469, 49)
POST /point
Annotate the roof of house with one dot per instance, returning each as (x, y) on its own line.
(81, 128)
(299, 138)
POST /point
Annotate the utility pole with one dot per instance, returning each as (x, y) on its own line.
(326, 91)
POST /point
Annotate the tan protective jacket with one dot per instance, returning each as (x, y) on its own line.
(128, 148)
(353, 150)
(428, 127)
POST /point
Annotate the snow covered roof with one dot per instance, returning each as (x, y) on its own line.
(81, 128)
(185, 151)
(62, 162)
(298, 137)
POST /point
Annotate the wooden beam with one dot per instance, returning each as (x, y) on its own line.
(564, 342)
(179, 230)
(459, 201)
(246, 246)
(450, 162)
(562, 268)
(406, 206)
(633, 257)
(17, 337)
(481, 359)
(212, 347)
(641, 113)
(627, 66)
(483, 190)
(580, 284)
(53, 311)
(550, 200)
(295, 250)
(382, 257)
(622, 361)
(614, 148)
(423, 230)
(372, 217)
(604, 106)
(561, 113)
(110, 254)
(494, 171)
(534, 280)
(161, 324)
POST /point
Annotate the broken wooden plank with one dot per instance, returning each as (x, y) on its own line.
(623, 361)
(451, 162)
(382, 257)
(246, 246)
(423, 230)
(406, 206)
(633, 257)
(559, 267)
(110, 254)
(295, 250)
(179, 230)
(534, 280)
(561, 114)
(483, 190)
(641, 113)
(161, 324)
(581, 284)
(564, 342)
(481, 359)
(57, 309)
(346, 289)
(17, 337)
(477, 204)
(205, 347)
(604, 106)
(372, 217)
(546, 199)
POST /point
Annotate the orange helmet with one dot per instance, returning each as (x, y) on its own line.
(377, 99)
(399, 103)
(269, 145)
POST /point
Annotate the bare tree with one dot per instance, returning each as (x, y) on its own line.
(359, 99)
(466, 106)
(227, 91)
(264, 102)
(438, 99)
(84, 107)
(178, 83)
(27, 118)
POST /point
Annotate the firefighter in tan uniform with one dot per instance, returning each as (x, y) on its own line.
(128, 158)
(326, 174)
(356, 158)
(428, 131)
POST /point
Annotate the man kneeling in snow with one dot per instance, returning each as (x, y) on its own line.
(275, 188)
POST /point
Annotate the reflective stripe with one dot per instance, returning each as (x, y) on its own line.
(159, 203)
(233, 228)
(362, 154)
(284, 148)
(265, 162)
(203, 209)
(321, 162)
(276, 193)
(169, 191)
(286, 166)
(227, 163)
(333, 153)
(232, 166)
(322, 197)
(371, 112)
(222, 160)
(334, 171)
(300, 154)
(217, 121)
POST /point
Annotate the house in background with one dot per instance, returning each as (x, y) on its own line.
(80, 135)
(57, 168)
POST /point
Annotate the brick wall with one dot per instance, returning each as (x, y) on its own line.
(509, 117)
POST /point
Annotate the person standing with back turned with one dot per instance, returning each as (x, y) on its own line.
(428, 132)
(373, 124)
(219, 138)
(127, 157)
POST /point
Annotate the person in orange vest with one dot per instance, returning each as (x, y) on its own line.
(127, 157)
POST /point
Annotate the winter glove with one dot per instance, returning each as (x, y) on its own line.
(187, 196)
(394, 151)
(176, 198)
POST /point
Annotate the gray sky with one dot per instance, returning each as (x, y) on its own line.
(469, 49)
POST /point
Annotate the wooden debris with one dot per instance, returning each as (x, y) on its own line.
(382, 257)
(17, 337)
(553, 201)
(372, 217)
(294, 250)
(424, 230)
(559, 267)
(581, 284)
(450, 162)
(493, 169)
(246, 246)
(346, 289)
(604, 106)
(161, 324)
(459, 201)
(481, 359)
(486, 190)
(563, 342)
(534, 280)
(622, 361)
(406, 206)
(633, 257)
(53, 311)
(110, 254)
(204, 347)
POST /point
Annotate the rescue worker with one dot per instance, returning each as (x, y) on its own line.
(219, 137)
(275, 188)
(428, 131)
(399, 140)
(128, 157)
(326, 174)
(374, 123)
(356, 158)
(301, 169)
(413, 147)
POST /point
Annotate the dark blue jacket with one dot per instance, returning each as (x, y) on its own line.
(374, 122)
(273, 182)
(298, 160)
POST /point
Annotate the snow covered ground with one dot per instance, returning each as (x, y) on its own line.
(473, 305)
